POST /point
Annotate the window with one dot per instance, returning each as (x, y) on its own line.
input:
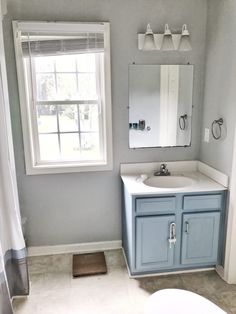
(64, 84)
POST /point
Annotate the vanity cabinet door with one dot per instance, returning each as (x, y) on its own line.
(153, 249)
(200, 238)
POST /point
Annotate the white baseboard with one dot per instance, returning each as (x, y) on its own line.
(74, 248)
(220, 271)
(169, 273)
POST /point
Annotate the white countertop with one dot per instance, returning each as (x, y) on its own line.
(201, 183)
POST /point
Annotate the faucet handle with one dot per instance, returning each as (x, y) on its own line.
(163, 171)
(163, 166)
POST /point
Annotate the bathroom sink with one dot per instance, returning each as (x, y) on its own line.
(168, 182)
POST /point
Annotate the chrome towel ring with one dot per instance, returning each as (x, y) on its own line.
(182, 121)
(218, 123)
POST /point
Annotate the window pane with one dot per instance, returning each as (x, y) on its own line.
(44, 64)
(65, 63)
(68, 118)
(45, 86)
(86, 62)
(87, 86)
(70, 146)
(90, 146)
(49, 147)
(88, 117)
(47, 118)
(66, 86)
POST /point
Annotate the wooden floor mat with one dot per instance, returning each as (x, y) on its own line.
(89, 264)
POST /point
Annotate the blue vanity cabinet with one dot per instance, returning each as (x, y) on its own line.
(200, 236)
(153, 250)
(198, 220)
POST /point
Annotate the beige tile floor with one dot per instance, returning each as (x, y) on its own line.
(54, 291)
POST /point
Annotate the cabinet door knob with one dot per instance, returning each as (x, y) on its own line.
(186, 227)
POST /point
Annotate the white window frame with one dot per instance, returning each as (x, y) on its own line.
(29, 135)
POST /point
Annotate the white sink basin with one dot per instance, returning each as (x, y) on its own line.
(169, 182)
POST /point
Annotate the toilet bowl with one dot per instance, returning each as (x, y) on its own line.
(176, 301)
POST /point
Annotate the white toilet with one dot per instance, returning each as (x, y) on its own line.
(176, 301)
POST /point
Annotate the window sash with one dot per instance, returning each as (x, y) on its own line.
(31, 73)
(59, 132)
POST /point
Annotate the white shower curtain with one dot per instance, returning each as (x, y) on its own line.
(13, 266)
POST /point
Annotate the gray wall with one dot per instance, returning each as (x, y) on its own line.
(83, 207)
(220, 82)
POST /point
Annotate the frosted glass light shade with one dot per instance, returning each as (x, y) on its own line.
(185, 43)
(167, 43)
(149, 42)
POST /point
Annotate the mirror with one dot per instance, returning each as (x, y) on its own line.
(160, 105)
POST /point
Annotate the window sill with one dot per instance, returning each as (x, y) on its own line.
(68, 168)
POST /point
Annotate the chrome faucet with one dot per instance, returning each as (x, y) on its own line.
(163, 171)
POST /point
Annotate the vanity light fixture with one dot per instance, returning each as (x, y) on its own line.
(185, 44)
(166, 41)
(149, 41)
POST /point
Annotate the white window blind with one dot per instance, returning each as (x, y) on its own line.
(51, 44)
